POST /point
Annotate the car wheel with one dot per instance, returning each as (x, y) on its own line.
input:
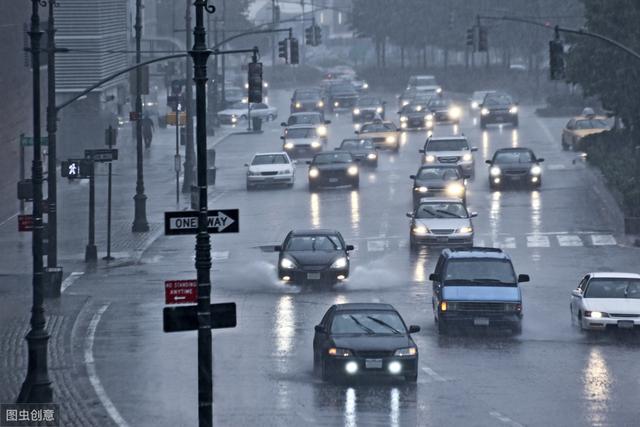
(443, 328)
(411, 378)
(565, 146)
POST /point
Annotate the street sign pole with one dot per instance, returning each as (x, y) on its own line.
(177, 156)
(22, 177)
(110, 140)
(91, 252)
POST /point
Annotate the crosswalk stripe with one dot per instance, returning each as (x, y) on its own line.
(603, 240)
(569, 240)
(537, 241)
(219, 256)
(506, 243)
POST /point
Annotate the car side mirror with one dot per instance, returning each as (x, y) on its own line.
(421, 151)
(409, 214)
(336, 149)
(283, 124)
(282, 138)
(473, 214)
(540, 160)
(350, 248)
(412, 177)
(308, 162)
(413, 329)
(488, 162)
(327, 122)
(434, 277)
(319, 329)
(523, 278)
(356, 132)
(576, 293)
(474, 149)
(277, 248)
(246, 165)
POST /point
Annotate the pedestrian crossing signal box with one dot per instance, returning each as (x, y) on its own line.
(76, 168)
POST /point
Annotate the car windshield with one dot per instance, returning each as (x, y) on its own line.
(368, 323)
(423, 81)
(343, 88)
(497, 100)
(356, 144)
(412, 108)
(304, 119)
(441, 210)
(513, 157)
(480, 271)
(378, 127)
(270, 159)
(439, 173)
(335, 157)
(301, 133)
(447, 145)
(592, 124)
(438, 103)
(306, 95)
(613, 288)
(327, 243)
(239, 106)
(479, 96)
(368, 102)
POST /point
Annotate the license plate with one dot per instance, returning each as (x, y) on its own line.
(373, 363)
(481, 321)
(442, 239)
(499, 119)
(625, 324)
(313, 276)
(333, 179)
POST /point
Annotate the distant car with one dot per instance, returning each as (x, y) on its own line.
(368, 108)
(438, 181)
(314, 257)
(477, 97)
(581, 126)
(607, 301)
(424, 82)
(265, 87)
(310, 118)
(415, 96)
(362, 340)
(476, 287)
(384, 134)
(300, 141)
(515, 166)
(239, 111)
(415, 116)
(341, 95)
(440, 222)
(232, 95)
(443, 110)
(362, 150)
(333, 169)
(450, 150)
(498, 107)
(307, 99)
(270, 169)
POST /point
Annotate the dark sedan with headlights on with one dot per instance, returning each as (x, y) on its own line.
(307, 99)
(444, 111)
(333, 169)
(367, 108)
(439, 181)
(515, 166)
(415, 116)
(497, 108)
(359, 340)
(362, 150)
(311, 257)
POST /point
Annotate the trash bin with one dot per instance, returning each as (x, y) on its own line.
(256, 123)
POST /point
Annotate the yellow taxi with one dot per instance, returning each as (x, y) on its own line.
(384, 134)
(581, 126)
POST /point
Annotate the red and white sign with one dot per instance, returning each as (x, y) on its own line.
(25, 223)
(180, 291)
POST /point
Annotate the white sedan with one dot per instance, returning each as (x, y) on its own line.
(607, 300)
(239, 111)
(270, 169)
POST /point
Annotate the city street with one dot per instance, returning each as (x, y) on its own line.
(552, 374)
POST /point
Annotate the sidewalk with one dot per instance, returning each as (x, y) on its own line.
(66, 363)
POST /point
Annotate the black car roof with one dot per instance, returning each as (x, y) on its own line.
(316, 232)
(439, 166)
(363, 306)
(475, 252)
(514, 149)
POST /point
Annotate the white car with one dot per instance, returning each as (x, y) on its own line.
(301, 141)
(239, 111)
(607, 300)
(424, 83)
(449, 150)
(270, 169)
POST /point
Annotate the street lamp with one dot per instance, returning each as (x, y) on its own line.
(36, 387)
(187, 182)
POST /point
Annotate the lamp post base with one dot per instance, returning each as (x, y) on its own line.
(36, 387)
(140, 224)
(52, 282)
(91, 254)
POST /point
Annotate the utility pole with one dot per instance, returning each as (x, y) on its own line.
(302, 49)
(273, 37)
(140, 224)
(223, 97)
(36, 387)
(200, 54)
(189, 154)
(54, 273)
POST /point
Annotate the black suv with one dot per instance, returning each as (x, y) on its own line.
(476, 287)
(307, 99)
(498, 107)
(341, 95)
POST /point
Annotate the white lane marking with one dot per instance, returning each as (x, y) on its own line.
(69, 280)
(556, 167)
(537, 241)
(503, 418)
(219, 256)
(507, 243)
(376, 245)
(603, 240)
(434, 375)
(9, 219)
(569, 240)
(91, 369)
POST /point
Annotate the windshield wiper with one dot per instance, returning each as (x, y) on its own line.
(364, 328)
(385, 324)
(492, 281)
(448, 213)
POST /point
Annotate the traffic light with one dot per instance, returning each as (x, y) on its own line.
(294, 53)
(471, 38)
(309, 36)
(556, 60)
(483, 40)
(283, 51)
(255, 82)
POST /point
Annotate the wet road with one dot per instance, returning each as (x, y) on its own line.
(550, 375)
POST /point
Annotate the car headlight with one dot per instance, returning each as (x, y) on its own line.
(320, 104)
(340, 263)
(353, 170)
(475, 105)
(455, 189)
(595, 314)
(455, 112)
(365, 85)
(265, 84)
(420, 230)
(495, 171)
(536, 170)
(336, 104)
(288, 145)
(409, 351)
(484, 111)
(298, 105)
(314, 172)
(467, 157)
(429, 117)
(372, 156)
(356, 111)
(287, 263)
(419, 108)
(439, 90)
(390, 139)
(403, 118)
(379, 110)
(339, 352)
(422, 189)
(316, 144)
(234, 119)
(513, 110)
(322, 130)
(150, 103)
(405, 102)
(430, 158)
(285, 172)
(464, 230)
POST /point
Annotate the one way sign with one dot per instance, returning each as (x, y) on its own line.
(186, 222)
